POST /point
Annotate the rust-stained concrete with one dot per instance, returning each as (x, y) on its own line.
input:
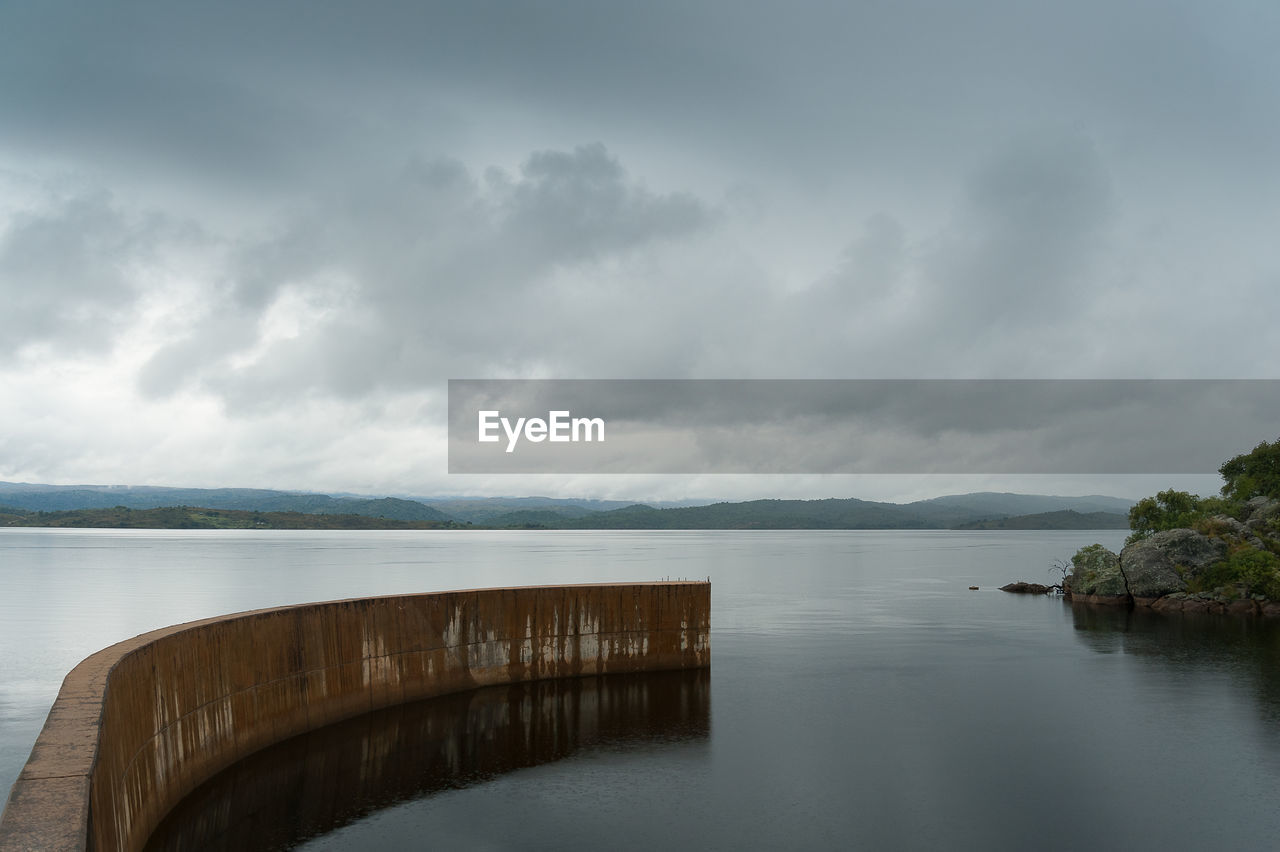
(139, 725)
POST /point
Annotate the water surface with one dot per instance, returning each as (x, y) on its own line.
(860, 695)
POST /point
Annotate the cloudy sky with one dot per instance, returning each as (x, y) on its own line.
(248, 243)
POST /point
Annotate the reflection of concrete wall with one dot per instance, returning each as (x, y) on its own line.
(139, 725)
(317, 782)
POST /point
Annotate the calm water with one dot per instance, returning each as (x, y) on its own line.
(860, 696)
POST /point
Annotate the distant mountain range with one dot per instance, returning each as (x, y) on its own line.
(60, 498)
(984, 510)
(941, 513)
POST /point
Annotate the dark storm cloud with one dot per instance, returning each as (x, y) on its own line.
(429, 271)
(272, 95)
(578, 206)
(275, 91)
(1021, 253)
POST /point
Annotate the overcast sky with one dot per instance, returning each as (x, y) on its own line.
(247, 244)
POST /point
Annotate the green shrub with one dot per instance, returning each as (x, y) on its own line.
(1171, 510)
(1253, 474)
(1257, 572)
(1168, 510)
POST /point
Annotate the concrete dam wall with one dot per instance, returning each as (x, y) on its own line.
(139, 725)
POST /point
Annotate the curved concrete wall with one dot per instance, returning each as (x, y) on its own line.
(139, 725)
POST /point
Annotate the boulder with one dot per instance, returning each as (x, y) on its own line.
(1104, 600)
(1169, 603)
(1096, 571)
(1026, 588)
(1207, 607)
(1208, 603)
(1252, 505)
(1264, 516)
(1162, 563)
(1244, 607)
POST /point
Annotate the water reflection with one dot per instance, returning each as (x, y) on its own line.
(317, 782)
(1245, 649)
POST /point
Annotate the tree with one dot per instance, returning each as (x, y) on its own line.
(1167, 510)
(1254, 474)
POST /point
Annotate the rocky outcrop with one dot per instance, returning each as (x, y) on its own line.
(1168, 570)
(1025, 588)
(1216, 604)
(1165, 562)
(1262, 516)
(1095, 571)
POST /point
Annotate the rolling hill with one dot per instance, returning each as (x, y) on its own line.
(985, 510)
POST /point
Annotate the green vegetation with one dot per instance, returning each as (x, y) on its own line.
(1172, 510)
(1248, 475)
(1246, 570)
(1253, 474)
(1064, 520)
(1086, 555)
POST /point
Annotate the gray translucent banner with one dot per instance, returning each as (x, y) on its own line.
(857, 426)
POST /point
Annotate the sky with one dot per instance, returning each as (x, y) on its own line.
(248, 244)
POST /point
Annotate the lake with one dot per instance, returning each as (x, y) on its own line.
(860, 695)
